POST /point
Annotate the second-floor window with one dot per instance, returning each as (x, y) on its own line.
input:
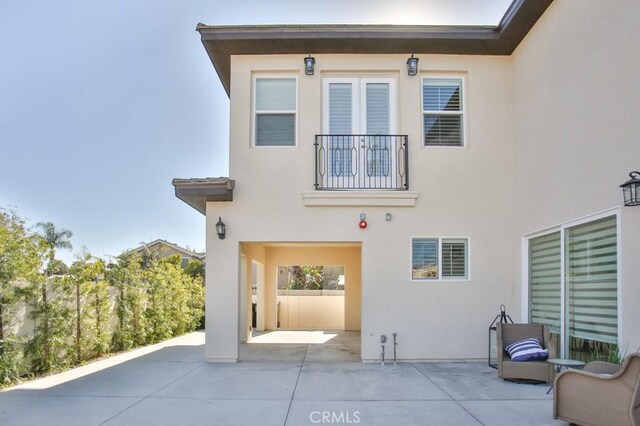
(275, 111)
(443, 111)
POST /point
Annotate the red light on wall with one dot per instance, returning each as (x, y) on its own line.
(363, 222)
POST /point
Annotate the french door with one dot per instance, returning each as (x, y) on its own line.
(359, 121)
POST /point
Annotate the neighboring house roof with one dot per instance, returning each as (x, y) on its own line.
(159, 244)
(223, 41)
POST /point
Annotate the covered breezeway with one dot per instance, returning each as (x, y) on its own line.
(268, 305)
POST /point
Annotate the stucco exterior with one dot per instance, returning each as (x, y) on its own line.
(577, 135)
(268, 202)
(550, 134)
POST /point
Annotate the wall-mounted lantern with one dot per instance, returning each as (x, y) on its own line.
(412, 65)
(309, 64)
(221, 229)
(631, 190)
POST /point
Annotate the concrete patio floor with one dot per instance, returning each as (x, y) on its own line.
(312, 379)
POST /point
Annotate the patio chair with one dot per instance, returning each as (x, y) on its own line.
(601, 367)
(524, 370)
(591, 399)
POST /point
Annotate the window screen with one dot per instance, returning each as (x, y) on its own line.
(275, 109)
(442, 108)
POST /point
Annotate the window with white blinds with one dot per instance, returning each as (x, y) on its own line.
(377, 116)
(275, 111)
(443, 111)
(340, 124)
(439, 258)
(377, 108)
(590, 279)
(454, 258)
(544, 281)
(340, 109)
(592, 284)
(424, 259)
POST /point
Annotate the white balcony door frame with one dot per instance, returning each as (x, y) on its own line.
(359, 125)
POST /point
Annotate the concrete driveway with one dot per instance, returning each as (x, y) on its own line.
(309, 380)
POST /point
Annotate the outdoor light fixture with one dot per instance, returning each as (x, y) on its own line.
(502, 318)
(309, 64)
(412, 65)
(220, 229)
(631, 190)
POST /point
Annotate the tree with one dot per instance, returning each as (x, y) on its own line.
(306, 277)
(51, 347)
(20, 262)
(57, 267)
(195, 269)
(87, 275)
(53, 239)
(126, 277)
(175, 300)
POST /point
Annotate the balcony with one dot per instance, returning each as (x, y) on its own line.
(361, 162)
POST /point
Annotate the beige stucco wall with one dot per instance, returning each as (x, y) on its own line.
(222, 291)
(577, 132)
(311, 311)
(253, 253)
(466, 192)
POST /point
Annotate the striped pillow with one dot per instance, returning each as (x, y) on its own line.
(527, 350)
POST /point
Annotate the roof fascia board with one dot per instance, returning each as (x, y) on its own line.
(197, 192)
(221, 42)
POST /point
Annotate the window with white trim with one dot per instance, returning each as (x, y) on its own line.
(443, 112)
(581, 259)
(439, 258)
(275, 111)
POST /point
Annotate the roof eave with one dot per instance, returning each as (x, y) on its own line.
(221, 42)
(197, 192)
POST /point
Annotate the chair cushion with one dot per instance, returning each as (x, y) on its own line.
(527, 350)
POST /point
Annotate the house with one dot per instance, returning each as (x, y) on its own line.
(487, 175)
(163, 248)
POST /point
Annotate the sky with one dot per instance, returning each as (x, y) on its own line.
(103, 103)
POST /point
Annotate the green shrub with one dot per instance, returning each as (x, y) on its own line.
(11, 359)
(126, 277)
(51, 346)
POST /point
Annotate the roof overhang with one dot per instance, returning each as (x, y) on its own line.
(221, 42)
(196, 192)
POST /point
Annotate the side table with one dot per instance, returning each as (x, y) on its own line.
(560, 363)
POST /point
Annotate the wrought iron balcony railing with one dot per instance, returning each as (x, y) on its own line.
(361, 162)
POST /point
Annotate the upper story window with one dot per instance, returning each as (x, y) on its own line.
(439, 258)
(275, 111)
(443, 111)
